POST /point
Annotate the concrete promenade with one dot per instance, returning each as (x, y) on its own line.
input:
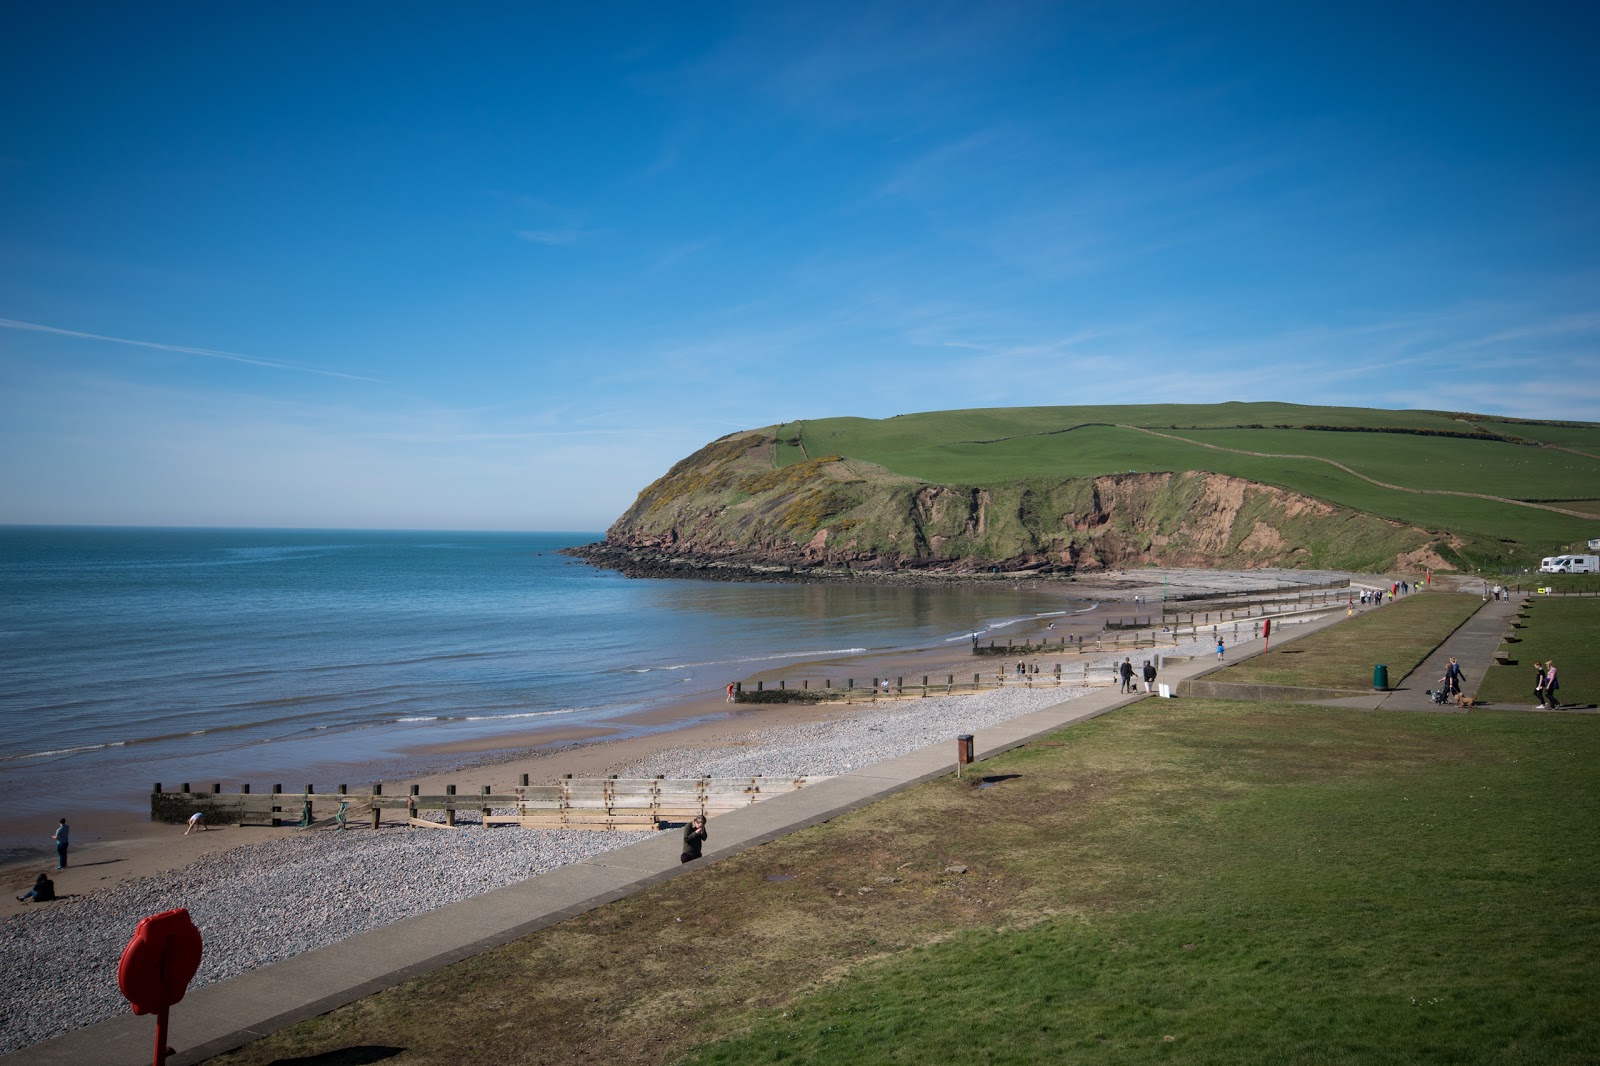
(228, 1014)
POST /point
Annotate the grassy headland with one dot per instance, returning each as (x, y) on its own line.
(1063, 488)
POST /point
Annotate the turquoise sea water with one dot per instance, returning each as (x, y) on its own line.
(140, 655)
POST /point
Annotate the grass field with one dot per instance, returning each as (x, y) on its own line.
(1510, 470)
(1189, 880)
(1401, 634)
(1563, 629)
(1584, 438)
(1003, 445)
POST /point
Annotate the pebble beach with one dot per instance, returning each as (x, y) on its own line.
(263, 902)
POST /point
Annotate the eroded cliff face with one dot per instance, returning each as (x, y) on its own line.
(727, 502)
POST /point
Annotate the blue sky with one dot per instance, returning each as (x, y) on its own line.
(394, 265)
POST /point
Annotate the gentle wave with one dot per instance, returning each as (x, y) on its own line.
(761, 658)
(64, 751)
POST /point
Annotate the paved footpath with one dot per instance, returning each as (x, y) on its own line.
(228, 1014)
(1473, 645)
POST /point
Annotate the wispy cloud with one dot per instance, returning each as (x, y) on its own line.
(554, 237)
(209, 353)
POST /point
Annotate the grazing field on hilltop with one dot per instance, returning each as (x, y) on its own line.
(1221, 882)
(1584, 438)
(1008, 444)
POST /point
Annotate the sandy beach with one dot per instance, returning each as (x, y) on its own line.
(111, 846)
(329, 885)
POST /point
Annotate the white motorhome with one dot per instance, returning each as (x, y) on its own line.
(1570, 564)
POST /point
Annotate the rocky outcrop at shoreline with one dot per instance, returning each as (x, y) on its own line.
(647, 562)
(727, 512)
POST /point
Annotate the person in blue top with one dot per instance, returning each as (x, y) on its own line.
(60, 836)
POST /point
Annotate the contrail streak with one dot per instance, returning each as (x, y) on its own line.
(210, 353)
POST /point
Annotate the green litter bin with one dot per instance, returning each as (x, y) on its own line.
(1380, 677)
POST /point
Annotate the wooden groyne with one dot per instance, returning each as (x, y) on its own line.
(608, 803)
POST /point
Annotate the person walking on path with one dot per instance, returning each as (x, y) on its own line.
(1126, 672)
(1453, 677)
(1221, 649)
(1149, 676)
(1551, 685)
(1538, 683)
(694, 837)
(60, 837)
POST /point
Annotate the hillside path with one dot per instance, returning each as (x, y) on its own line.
(1363, 477)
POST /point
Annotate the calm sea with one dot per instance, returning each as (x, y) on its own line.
(140, 655)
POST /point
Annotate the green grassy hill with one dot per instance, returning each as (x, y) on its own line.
(1072, 486)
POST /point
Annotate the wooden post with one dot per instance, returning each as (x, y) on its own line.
(277, 790)
(450, 810)
(216, 789)
(377, 811)
(185, 788)
(411, 805)
(524, 780)
(486, 811)
(244, 789)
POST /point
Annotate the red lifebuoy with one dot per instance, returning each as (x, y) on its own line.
(159, 961)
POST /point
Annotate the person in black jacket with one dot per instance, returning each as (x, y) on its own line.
(43, 891)
(1149, 676)
(1126, 670)
(694, 835)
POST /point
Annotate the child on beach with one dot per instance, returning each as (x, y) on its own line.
(1220, 649)
(197, 820)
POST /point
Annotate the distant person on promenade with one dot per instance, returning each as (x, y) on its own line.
(1126, 673)
(1538, 682)
(1551, 684)
(43, 891)
(1149, 675)
(60, 837)
(694, 837)
(197, 820)
(1221, 649)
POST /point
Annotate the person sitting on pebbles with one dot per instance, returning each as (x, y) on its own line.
(197, 820)
(43, 891)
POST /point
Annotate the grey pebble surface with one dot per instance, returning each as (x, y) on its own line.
(264, 902)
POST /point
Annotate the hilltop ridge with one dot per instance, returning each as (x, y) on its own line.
(1058, 490)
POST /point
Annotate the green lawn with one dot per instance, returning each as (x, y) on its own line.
(1277, 885)
(1559, 628)
(1400, 635)
(1260, 883)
